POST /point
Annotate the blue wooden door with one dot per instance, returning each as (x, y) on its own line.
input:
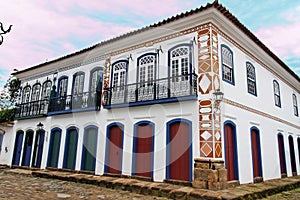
(27, 148)
(18, 148)
(1, 140)
(38, 149)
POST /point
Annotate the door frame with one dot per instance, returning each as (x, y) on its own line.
(189, 123)
(51, 146)
(84, 150)
(67, 144)
(18, 147)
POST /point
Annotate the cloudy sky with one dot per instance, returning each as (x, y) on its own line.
(45, 30)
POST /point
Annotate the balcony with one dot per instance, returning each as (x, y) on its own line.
(163, 90)
(32, 109)
(75, 103)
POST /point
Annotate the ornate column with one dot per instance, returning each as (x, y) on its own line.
(209, 169)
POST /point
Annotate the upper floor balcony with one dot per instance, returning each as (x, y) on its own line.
(170, 89)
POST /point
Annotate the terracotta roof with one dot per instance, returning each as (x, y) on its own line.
(215, 5)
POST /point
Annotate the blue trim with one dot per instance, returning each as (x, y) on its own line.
(112, 71)
(84, 149)
(93, 108)
(67, 140)
(44, 83)
(59, 82)
(248, 63)
(121, 126)
(275, 83)
(51, 145)
(189, 123)
(92, 71)
(138, 66)
(295, 105)
(254, 128)
(28, 144)
(223, 78)
(283, 153)
(136, 125)
(73, 81)
(18, 147)
(158, 101)
(234, 139)
(39, 90)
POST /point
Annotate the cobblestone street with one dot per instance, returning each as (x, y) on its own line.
(15, 186)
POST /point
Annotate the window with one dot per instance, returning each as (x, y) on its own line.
(62, 86)
(46, 89)
(78, 82)
(227, 64)
(146, 65)
(180, 59)
(96, 80)
(119, 75)
(26, 94)
(35, 92)
(251, 80)
(276, 93)
(295, 105)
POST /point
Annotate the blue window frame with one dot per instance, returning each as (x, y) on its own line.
(78, 83)
(251, 79)
(227, 64)
(119, 74)
(62, 86)
(295, 105)
(26, 94)
(46, 90)
(146, 72)
(276, 93)
(35, 94)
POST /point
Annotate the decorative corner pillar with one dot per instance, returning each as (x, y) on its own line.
(106, 80)
(209, 171)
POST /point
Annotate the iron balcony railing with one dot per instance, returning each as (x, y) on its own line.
(160, 89)
(32, 109)
(79, 101)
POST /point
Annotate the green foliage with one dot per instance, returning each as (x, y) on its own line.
(8, 97)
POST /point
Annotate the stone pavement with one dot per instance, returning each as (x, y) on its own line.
(156, 190)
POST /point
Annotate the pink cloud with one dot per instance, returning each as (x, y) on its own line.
(283, 39)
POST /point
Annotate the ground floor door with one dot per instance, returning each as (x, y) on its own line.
(143, 151)
(89, 149)
(256, 153)
(292, 155)
(179, 151)
(27, 148)
(231, 152)
(114, 150)
(54, 147)
(70, 149)
(38, 149)
(281, 154)
(18, 148)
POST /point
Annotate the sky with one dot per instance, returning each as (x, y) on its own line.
(46, 30)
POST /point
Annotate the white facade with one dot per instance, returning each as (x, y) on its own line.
(187, 100)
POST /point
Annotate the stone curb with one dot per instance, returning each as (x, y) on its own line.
(247, 191)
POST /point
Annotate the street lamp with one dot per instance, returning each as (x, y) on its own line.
(218, 97)
(40, 126)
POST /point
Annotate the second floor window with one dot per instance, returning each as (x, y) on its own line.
(180, 63)
(251, 80)
(46, 89)
(227, 64)
(146, 70)
(295, 105)
(78, 83)
(119, 75)
(62, 86)
(276, 93)
(96, 79)
(35, 95)
(26, 94)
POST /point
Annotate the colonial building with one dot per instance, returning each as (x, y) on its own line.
(147, 104)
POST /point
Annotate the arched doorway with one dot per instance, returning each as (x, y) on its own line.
(89, 149)
(38, 149)
(179, 150)
(256, 153)
(143, 146)
(231, 159)
(281, 154)
(54, 147)
(114, 148)
(292, 155)
(70, 148)
(18, 148)
(27, 148)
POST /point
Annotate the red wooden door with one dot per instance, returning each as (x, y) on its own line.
(229, 152)
(179, 151)
(143, 152)
(255, 156)
(281, 154)
(115, 150)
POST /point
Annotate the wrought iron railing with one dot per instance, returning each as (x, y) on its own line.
(32, 109)
(75, 101)
(165, 88)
